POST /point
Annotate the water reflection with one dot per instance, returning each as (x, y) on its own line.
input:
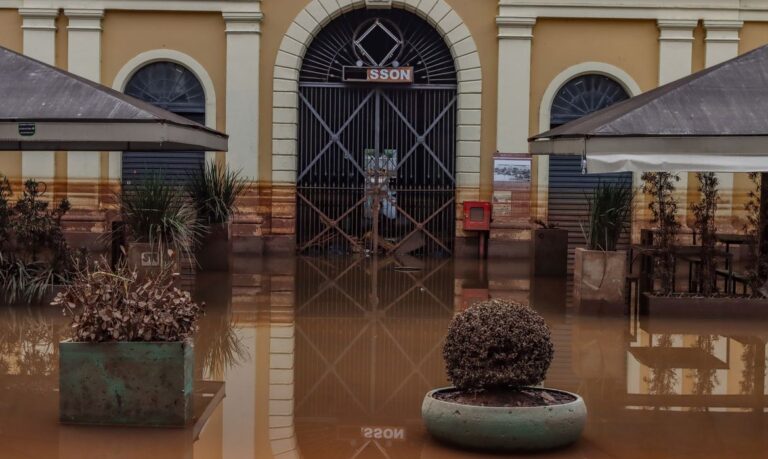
(330, 358)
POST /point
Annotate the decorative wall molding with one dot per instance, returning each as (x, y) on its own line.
(243, 30)
(675, 48)
(313, 18)
(514, 82)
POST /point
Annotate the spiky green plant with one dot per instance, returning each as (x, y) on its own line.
(157, 212)
(26, 282)
(610, 211)
(214, 190)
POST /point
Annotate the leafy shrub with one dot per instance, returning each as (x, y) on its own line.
(704, 218)
(33, 251)
(109, 304)
(497, 344)
(157, 212)
(659, 187)
(214, 190)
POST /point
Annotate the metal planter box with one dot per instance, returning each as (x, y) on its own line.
(550, 252)
(126, 383)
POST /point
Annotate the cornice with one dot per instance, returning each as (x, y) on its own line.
(241, 22)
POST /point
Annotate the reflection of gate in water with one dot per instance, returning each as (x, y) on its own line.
(368, 344)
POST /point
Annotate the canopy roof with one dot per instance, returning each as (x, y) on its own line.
(713, 120)
(45, 108)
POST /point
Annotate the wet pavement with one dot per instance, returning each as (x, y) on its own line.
(330, 358)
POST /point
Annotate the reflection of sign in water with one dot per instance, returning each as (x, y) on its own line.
(150, 259)
(383, 433)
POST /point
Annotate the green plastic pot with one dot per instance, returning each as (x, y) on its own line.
(504, 428)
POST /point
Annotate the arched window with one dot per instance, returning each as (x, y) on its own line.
(172, 87)
(583, 95)
(569, 188)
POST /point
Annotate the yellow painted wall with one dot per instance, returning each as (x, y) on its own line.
(479, 16)
(10, 37)
(558, 44)
(199, 35)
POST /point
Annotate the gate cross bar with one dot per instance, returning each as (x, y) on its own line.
(421, 226)
(421, 137)
(335, 135)
(330, 223)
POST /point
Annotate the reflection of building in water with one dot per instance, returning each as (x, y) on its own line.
(368, 343)
(676, 368)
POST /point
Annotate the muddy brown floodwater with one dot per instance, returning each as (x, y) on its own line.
(330, 358)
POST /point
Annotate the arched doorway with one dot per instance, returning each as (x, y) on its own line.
(376, 137)
(172, 87)
(569, 187)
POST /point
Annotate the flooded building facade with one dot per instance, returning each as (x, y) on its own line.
(334, 131)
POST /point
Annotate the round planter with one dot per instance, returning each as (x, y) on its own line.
(504, 428)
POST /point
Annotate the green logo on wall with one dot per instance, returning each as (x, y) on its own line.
(26, 129)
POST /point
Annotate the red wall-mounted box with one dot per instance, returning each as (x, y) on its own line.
(477, 215)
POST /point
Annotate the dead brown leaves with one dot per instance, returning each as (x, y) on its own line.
(115, 305)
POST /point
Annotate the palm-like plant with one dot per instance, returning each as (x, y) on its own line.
(214, 190)
(157, 212)
(610, 210)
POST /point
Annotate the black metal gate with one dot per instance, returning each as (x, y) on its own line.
(376, 169)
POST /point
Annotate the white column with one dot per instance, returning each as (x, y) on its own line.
(514, 88)
(722, 44)
(84, 59)
(675, 62)
(39, 35)
(675, 48)
(243, 42)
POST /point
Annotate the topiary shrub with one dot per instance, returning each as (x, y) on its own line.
(497, 344)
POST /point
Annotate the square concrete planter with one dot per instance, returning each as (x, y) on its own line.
(599, 280)
(550, 252)
(704, 308)
(126, 383)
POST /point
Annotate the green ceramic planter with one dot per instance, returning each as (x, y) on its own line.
(502, 428)
(126, 383)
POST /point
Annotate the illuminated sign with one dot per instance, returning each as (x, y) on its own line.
(379, 74)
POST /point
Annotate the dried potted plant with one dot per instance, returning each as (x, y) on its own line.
(495, 353)
(157, 217)
(600, 270)
(550, 250)
(131, 359)
(213, 191)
